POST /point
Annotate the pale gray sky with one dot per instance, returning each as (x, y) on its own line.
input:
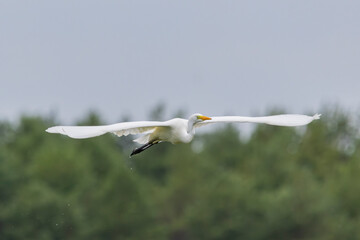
(214, 57)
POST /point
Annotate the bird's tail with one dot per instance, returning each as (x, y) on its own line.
(143, 148)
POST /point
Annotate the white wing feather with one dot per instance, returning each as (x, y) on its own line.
(126, 128)
(120, 129)
(290, 120)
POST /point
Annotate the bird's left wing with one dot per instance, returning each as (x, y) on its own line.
(120, 129)
(290, 120)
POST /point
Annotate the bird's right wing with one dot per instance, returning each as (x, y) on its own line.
(120, 129)
(290, 120)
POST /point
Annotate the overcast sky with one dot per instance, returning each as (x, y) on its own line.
(213, 57)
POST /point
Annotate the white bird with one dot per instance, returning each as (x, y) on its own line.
(176, 130)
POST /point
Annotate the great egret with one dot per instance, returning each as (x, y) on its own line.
(176, 130)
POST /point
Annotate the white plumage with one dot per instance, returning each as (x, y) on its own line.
(176, 130)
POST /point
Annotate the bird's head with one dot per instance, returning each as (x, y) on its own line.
(197, 117)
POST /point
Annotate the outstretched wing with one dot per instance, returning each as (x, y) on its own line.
(120, 129)
(290, 120)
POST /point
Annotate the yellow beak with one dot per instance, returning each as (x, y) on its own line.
(204, 118)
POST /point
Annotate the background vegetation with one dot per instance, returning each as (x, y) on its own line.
(279, 183)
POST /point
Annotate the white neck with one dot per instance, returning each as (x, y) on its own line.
(191, 129)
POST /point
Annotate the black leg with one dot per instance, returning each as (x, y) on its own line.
(143, 148)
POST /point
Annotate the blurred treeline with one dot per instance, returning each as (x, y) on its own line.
(279, 183)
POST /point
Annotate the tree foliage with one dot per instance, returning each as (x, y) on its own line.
(279, 183)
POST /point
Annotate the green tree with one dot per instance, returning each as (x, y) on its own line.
(280, 183)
